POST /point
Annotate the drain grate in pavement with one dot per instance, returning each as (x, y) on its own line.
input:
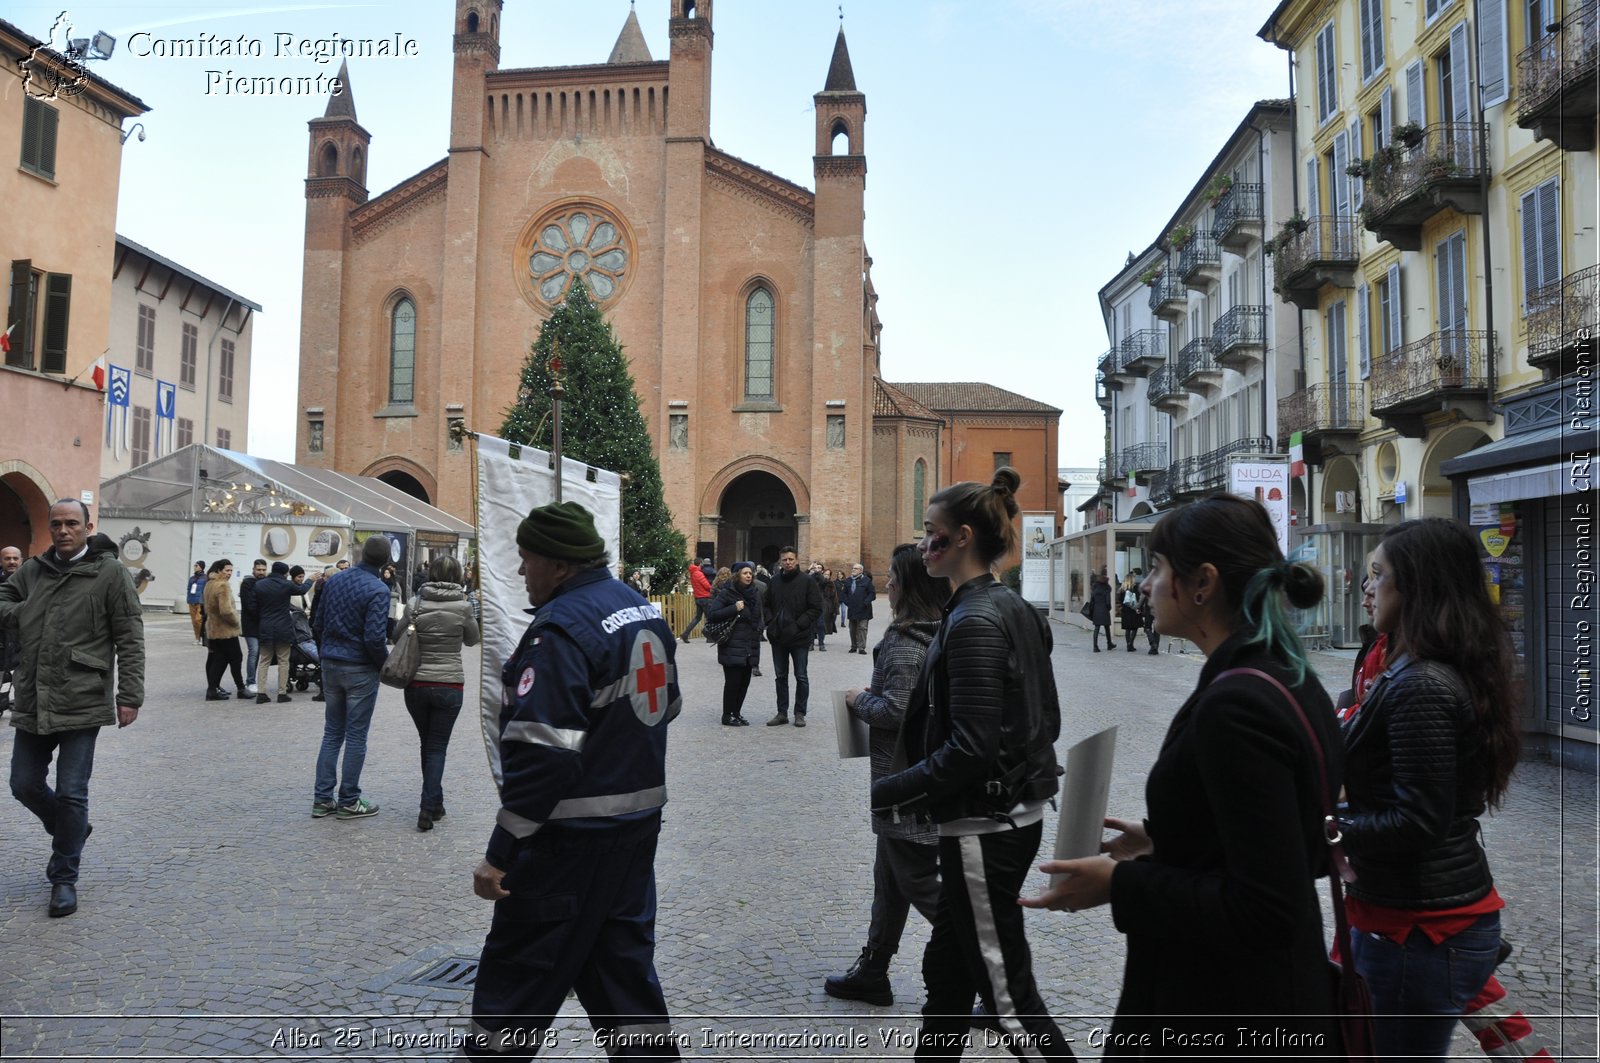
(456, 972)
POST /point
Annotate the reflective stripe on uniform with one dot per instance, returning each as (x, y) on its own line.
(627, 686)
(602, 806)
(519, 826)
(542, 734)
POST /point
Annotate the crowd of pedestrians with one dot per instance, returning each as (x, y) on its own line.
(1216, 887)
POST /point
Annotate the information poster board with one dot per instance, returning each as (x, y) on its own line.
(1037, 531)
(1267, 481)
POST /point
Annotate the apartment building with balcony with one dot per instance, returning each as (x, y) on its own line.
(1197, 357)
(1442, 257)
(185, 342)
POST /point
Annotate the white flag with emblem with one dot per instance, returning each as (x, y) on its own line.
(511, 481)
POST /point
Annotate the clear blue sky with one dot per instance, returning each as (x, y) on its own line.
(1017, 150)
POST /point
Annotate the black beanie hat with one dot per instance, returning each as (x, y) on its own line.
(377, 551)
(563, 531)
(280, 568)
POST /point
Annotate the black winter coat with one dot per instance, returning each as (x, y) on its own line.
(743, 648)
(984, 709)
(792, 604)
(273, 620)
(249, 611)
(1224, 919)
(1416, 780)
(857, 595)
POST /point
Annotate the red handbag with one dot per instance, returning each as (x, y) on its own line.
(1351, 994)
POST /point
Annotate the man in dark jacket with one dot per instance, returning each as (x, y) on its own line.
(10, 561)
(250, 621)
(857, 595)
(275, 629)
(81, 667)
(792, 602)
(351, 625)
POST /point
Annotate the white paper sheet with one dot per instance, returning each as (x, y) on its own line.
(1085, 790)
(852, 733)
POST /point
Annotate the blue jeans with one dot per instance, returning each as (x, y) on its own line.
(1419, 988)
(434, 711)
(781, 655)
(64, 811)
(700, 607)
(352, 691)
(252, 646)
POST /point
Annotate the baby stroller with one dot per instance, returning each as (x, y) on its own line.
(305, 664)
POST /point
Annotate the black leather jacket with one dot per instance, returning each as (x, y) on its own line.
(1416, 777)
(982, 722)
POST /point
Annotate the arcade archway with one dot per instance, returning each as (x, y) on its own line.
(24, 511)
(404, 481)
(757, 512)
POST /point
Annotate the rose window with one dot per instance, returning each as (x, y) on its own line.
(577, 242)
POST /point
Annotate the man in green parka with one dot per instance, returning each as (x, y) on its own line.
(81, 636)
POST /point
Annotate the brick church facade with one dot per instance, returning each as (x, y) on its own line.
(743, 301)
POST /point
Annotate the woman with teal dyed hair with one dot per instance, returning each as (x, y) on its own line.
(1216, 887)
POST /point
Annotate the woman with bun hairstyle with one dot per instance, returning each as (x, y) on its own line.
(737, 599)
(976, 756)
(1216, 888)
(1431, 747)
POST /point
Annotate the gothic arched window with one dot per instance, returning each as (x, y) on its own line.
(403, 353)
(758, 344)
(919, 492)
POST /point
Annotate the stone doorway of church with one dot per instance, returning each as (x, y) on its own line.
(757, 520)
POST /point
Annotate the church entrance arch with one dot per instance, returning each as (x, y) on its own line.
(757, 514)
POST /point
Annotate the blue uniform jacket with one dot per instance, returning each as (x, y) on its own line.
(586, 699)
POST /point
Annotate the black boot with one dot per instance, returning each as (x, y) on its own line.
(867, 980)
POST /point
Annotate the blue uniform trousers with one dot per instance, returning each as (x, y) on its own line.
(581, 916)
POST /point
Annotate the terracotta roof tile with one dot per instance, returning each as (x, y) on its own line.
(973, 397)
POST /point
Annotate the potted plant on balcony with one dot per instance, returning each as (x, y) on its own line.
(1296, 224)
(1221, 184)
(1361, 168)
(1441, 167)
(1408, 133)
(1151, 276)
(1180, 236)
(1449, 369)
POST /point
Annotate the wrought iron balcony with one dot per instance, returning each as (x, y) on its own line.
(1409, 185)
(1143, 351)
(1111, 474)
(1325, 252)
(1237, 226)
(1446, 370)
(1200, 263)
(1239, 337)
(1198, 370)
(1160, 489)
(1180, 479)
(1562, 322)
(1163, 391)
(1556, 81)
(1210, 470)
(1169, 299)
(1102, 393)
(1142, 459)
(1107, 362)
(1330, 417)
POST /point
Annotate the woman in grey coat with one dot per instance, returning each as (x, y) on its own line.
(444, 623)
(905, 872)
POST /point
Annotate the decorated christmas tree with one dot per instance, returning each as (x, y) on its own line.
(600, 425)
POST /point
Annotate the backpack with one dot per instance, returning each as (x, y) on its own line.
(1130, 599)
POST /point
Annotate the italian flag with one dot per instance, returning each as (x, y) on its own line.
(98, 372)
(5, 338)
(1297, 455)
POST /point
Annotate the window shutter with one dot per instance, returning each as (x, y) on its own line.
(1549, 232)
(47, 140)
(1363, 329)
(1396, 310)
(1313, 194)
(1341, 180)
(1492, 59)
(1380, 135)
(31, 110)
(1327, 72)
(1357, 185)
(20, 313)
(1377, 35)
(57, 312)
(1461, 73)
(1416, 103)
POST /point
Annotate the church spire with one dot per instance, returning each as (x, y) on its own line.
(840, 77)
(342, 104)
(630, 46)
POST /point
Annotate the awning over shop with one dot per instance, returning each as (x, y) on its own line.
(1508, 471)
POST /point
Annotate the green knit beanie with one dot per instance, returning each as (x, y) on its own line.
(561, 530)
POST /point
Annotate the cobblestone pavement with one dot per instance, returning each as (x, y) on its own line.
(218, 920)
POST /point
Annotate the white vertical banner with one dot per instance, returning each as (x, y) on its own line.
(1037, 531)
(1267, 481)
(511, 481)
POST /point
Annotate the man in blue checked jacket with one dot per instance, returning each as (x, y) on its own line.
(571, 862)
